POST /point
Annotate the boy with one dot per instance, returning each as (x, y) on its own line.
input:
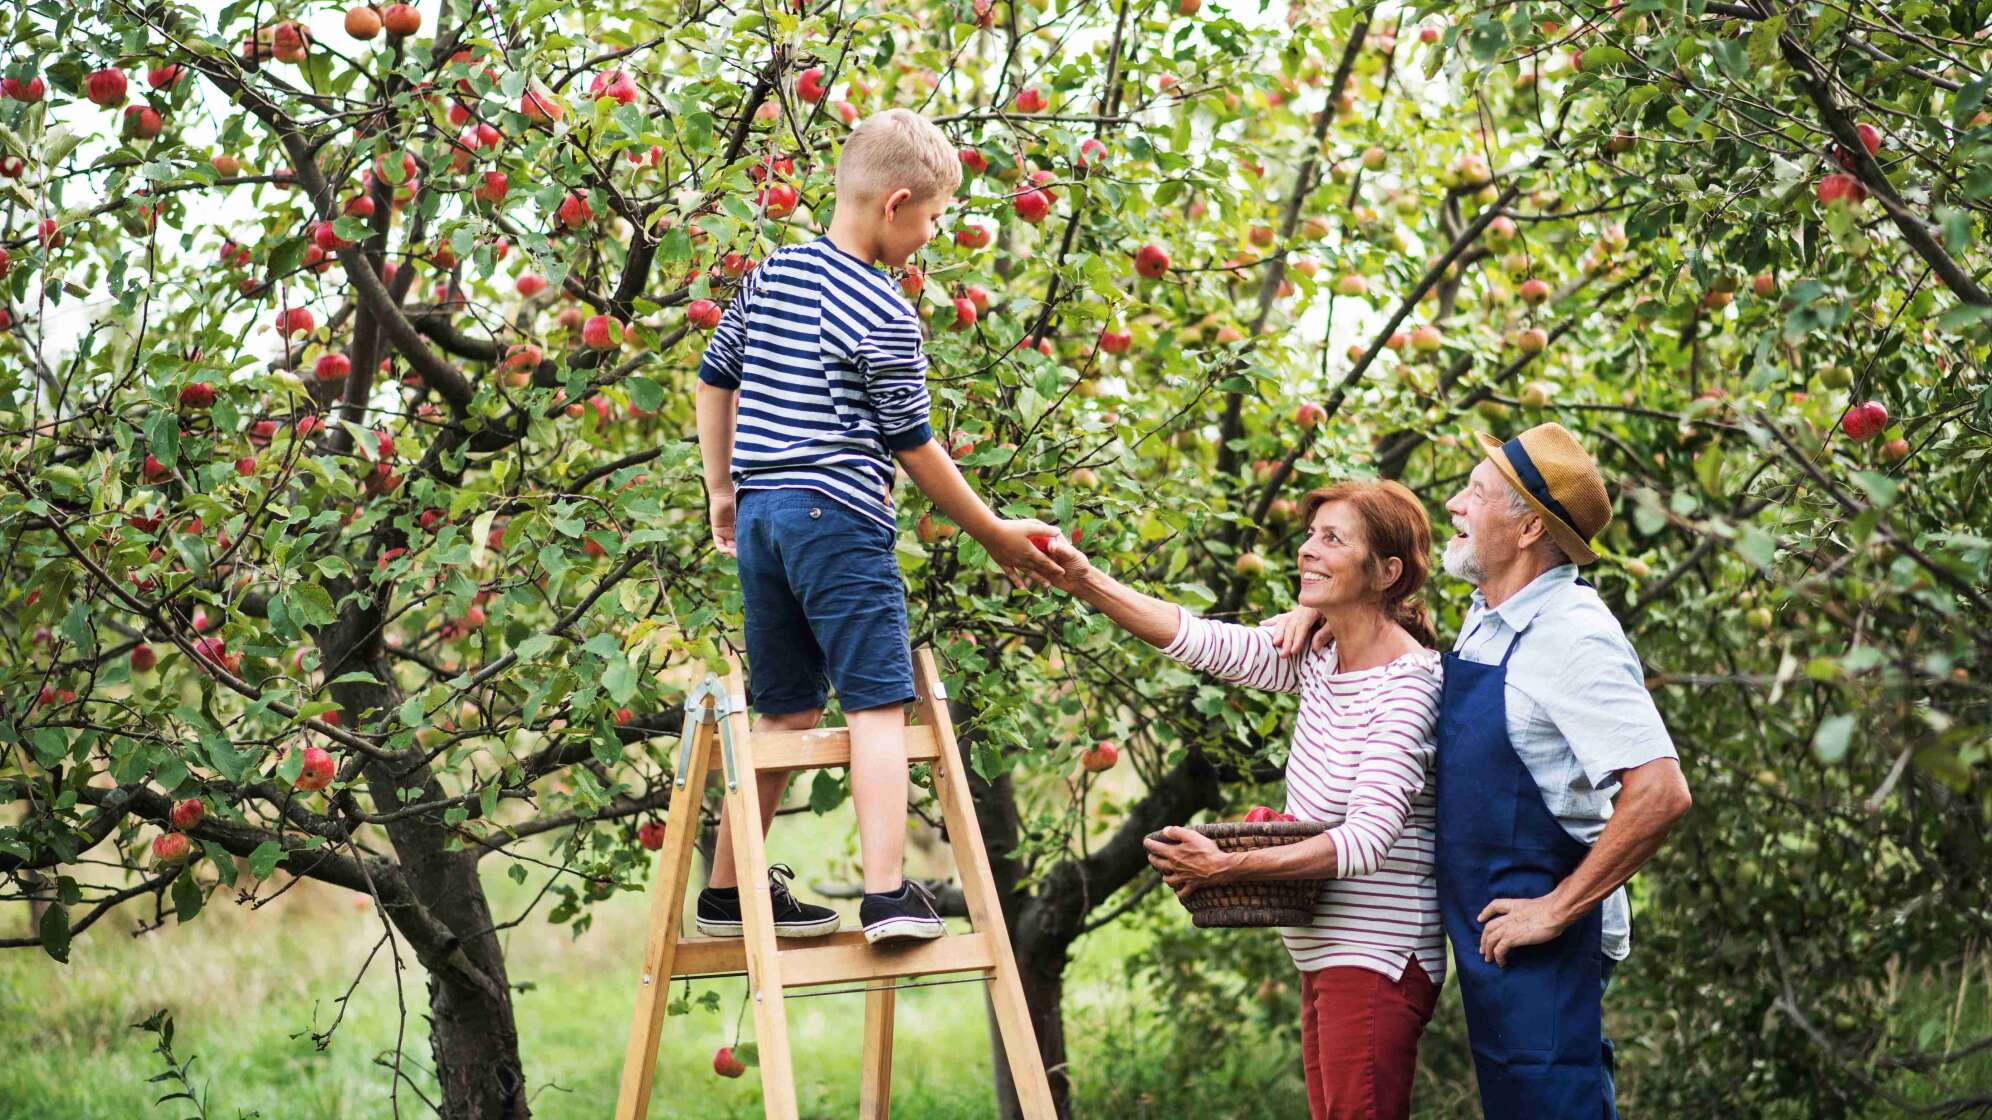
(813, 382)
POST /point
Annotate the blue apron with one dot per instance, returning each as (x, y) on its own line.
(1538, 1044)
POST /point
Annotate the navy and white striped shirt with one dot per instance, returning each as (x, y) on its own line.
(825, 353)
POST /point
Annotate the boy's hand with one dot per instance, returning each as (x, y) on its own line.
(719, 507)
(1291, 631)
(1011, 547)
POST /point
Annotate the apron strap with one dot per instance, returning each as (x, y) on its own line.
(1512, 643)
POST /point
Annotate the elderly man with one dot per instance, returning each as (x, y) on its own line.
(1543, 715)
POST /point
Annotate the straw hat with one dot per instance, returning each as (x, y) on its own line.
(1559, 480)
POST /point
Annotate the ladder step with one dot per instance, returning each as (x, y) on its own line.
(838, 957)
(829, 746)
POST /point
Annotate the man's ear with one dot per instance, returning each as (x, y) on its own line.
(1533, 529)
(895, 200)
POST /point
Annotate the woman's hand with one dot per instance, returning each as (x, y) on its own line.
(1189, 861)
(1076, 567)
(1292, 630)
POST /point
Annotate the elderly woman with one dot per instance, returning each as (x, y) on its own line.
(1372, 960)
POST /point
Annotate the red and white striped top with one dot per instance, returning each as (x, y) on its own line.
(1361, 761)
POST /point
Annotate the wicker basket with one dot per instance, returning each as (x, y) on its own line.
(1257, 903)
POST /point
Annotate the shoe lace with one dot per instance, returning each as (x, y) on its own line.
(778, 880)
(920, 889)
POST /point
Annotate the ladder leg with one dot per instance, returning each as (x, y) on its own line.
(985, 910)
(757, 913)
(875, 1093)
(667, 903)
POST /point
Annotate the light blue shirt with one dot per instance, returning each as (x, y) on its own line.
(1578, 709)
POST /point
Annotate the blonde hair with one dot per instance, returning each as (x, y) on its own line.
(898, 148)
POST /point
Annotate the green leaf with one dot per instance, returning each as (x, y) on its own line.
(619, 678)
(265, 858)
(311, 605)
(1829, 743)
(825, 793)
(1965, 105)
(187, 896)
(54, 931)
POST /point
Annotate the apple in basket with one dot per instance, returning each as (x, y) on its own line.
(1261, 813)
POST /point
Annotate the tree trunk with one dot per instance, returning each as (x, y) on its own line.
(473, 1035)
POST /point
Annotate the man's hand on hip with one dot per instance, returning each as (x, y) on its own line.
(1518, 922)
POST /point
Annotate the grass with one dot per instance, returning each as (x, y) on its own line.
(246, 990)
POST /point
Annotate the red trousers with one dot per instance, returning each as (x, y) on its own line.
(1359, 1040)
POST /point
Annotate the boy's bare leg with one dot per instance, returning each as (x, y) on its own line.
(878, 791)
(773, 785)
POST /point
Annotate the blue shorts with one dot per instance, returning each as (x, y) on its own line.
(825, 604)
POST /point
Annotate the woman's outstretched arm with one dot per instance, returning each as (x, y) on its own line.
(1247, 655)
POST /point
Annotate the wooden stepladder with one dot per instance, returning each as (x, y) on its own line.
(716, 714)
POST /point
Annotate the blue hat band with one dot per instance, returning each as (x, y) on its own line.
(1532, 481)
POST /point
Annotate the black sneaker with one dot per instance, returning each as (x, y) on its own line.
(906, 914)
(719, 910)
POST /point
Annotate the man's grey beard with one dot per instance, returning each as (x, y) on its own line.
(1463, 563)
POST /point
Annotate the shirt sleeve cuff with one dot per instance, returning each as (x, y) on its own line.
(917, 436)
(712, 375)
(1177, 645)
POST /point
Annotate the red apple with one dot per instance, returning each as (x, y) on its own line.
(143, 658)
(780, 200)
(1427, 339)
(1032, 205)
(650, 834)
(601, 332)
(105, 88)
(188, 813)
(974, 161)
(317, 772)
(401, 20)
(617, 85)
(197, 396)
(965, 313)
(725, 1064)
(531, 284)
(575, 211)
(703, 314)
(1249, 564)
(1895, 450)
(1101, 756)
(809, 85)
(492, 187)
(1535, 292)
(1309, 414)
(295, 321)
(171, 847)
(1259, 814)
(1115, 342)
(1151, 262)
(29, 91)
(1028, 101)
(972, 236)
(362, 22)
(542, 107)
(1841, 190)
(142, 122)
(1864, 421)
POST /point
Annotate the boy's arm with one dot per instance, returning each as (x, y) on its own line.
(716, 405)
(933, 470)
(895, 379)
(715, 409)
